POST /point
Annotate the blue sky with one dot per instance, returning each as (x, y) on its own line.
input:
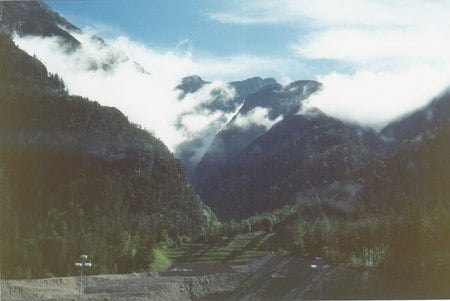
(305, 39)
(168, 23)
(377, 59)
(194, 26)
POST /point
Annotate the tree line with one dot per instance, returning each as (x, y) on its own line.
(78, 178)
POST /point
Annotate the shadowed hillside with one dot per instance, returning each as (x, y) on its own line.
(77, 178)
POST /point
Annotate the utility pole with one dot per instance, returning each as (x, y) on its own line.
(1, 244)
(1, 283)
(81, 263)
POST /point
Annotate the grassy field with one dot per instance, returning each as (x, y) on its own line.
(240, 249)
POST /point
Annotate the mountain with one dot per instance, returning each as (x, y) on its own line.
(416, 174)
(190, 84)
(191, 151)
(417, 164)
(414, 169)
(250, 86)
(431, 117)
(301, 155)
(242, 89)
(253, 166)
(35, 18)
(275, 101)
(77, 177)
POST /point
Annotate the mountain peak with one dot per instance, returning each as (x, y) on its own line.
(34, 18)
(190, 84)
(303, 87)
(251, 85)
(281, 100)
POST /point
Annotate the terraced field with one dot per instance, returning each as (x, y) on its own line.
(240, 249)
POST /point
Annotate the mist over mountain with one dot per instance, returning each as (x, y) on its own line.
(132, 178)
(255, 167)
(259, 112)
(173, 164)
(416, 174)
(212, 124)
(77, 177)
(190, 152)
(35, 18)
(97, 69)
(433, 116)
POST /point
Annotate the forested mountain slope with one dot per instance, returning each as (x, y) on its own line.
(433, 116)
(78, 178)
(256, 166)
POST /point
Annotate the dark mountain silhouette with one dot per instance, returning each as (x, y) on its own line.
(239, 175)
(190, 84)
(37, 19)
(278, 100)
(431, 117)
(301, 155)
(78, 177)
(415, 165)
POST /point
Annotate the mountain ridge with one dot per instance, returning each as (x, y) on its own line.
(35, 18)
(77, 177)
(186, 151)
(253, 93)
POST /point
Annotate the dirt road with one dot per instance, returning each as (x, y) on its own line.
(272, 277)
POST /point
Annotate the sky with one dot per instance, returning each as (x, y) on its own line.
(377, 60)
(190, 26)
(169, 24)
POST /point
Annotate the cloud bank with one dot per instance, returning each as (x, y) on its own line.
(258, 116)
(394, 53)
(376, 98)
(377, 60)
(141, 81)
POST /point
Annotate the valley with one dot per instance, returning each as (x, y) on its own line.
(255, 191)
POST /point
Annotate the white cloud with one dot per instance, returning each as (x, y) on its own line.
(257, 116)
(332, 13)
(195, 117)
(396, 52)
(373, 46)
(375, 98)
(148, 98)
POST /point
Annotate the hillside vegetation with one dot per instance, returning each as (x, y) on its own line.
(397, 221)
(78, 178)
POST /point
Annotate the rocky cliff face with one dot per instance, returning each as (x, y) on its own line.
(35, 18)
